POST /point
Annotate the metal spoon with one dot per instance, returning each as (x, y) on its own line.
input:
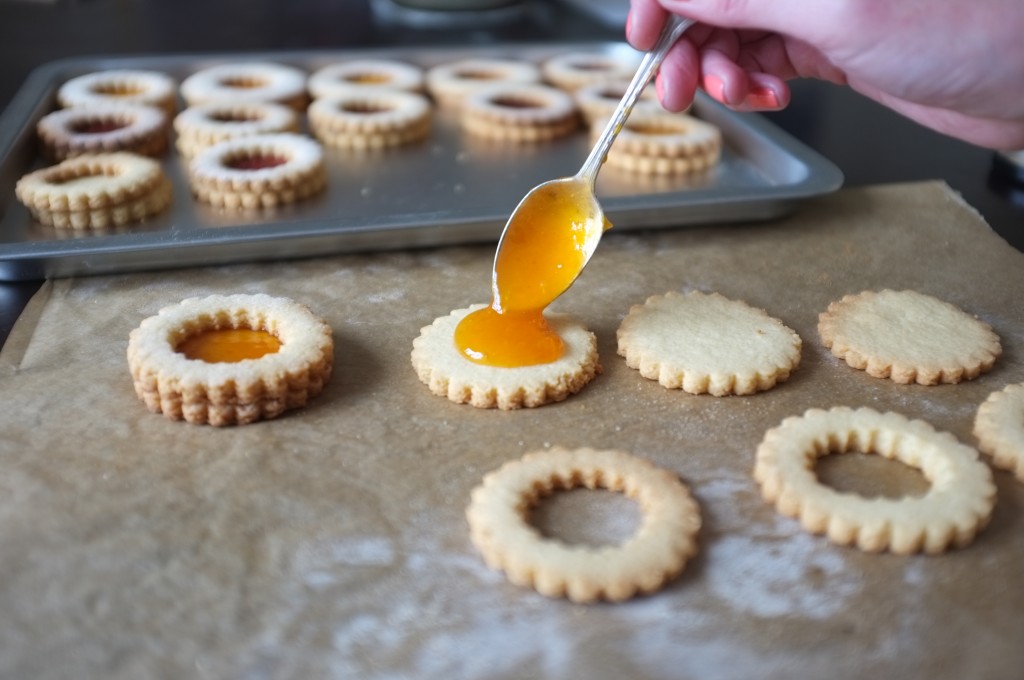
(536, 289)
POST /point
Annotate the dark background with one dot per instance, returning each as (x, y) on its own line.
(869, 143)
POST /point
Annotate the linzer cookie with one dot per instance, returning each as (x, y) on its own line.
(247, 82)
(102, 128)
(656, 553)
(908, 337)
(597, 101)
(230, 359)
(259, 171)
(573, 70)
(999, 427)
(120, 86)
(370, 120)
(447, 373)
(705, 343)
(658, 142)
(449, 83)
(95, 191)
(200, 127)
(519, 113)
(365, 76)
(957, 505)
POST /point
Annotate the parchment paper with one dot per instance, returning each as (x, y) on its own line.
(332, 542)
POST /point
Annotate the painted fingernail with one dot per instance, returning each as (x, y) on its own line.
(659, 87)
(762, 97)
(629, 23)
(715, 87)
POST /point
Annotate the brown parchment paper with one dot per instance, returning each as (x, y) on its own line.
(332, 542)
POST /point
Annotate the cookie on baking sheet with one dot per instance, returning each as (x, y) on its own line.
(908, 337)
(120, 86)
(659, 142)
(598, 101)
(95, 191)
(656, 553)
(370, 120)
(957, 505)
(230, 359)
(258, 171)
(449, 83)
(365, 76)
(439, 364)
(573, 70)
(705, 343)
(247, 82)
(519, 113)
(999, 428)
(101, 128)
(203, 125)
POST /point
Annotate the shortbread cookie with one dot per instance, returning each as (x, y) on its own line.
(704, 343)
(258, 171)
(200, 127)
(95, 191)
(247, 82)
(441, 367)
(656, 553)
(657, 142)
(956, 506)
(597, 101)
(999, 427)
(573, 70)
(519, 113)
(365, 76)
(102, 128)
(370, 120)
(120, 86)
(908, 337)
(289, 352)
(449, 83)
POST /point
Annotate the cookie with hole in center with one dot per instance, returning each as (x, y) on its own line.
(103, 128)
(519, 113)
(370, 120)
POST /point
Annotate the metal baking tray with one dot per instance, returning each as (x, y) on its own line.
(449, 189)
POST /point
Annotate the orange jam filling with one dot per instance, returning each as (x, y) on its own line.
(229, 345)
(255, 162)
(543, 250)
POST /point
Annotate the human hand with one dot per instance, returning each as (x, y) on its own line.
(955, 66)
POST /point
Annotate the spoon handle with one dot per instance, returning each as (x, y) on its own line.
(670, 33)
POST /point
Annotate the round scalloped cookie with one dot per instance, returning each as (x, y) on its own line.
(705, 343)
(103, 128)
(653, 141)
(203, 125)
(656, 553)
(999, 428)
(908, 337)
(597, 101)
(447, 373)
(365, 76)
(519, 113)
(230, 392)
(956, 506)
(120, 86)
(449, 83)
(247, 82)
(370, 120)
(573, 70)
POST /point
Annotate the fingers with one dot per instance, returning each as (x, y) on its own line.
(643, 23)
(677, 80)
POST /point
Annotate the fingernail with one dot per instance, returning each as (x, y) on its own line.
(762, 97)
(715, 87)
(629, 23)
(659, 87)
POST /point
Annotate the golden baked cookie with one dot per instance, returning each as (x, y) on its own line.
(95, 191)
(230, 359)
(102, 128)
(203, 125)
(908, 337)
(447, 373)
(956, 506)
(999, 428)
(573, 70)
(449, 83)
(656, 553)
(370, 120)
(519, 113)
(597, 101)
(247, 82)
(258, 171)
(365, 76)
(705, 343)
(120, 86)
(657, 142)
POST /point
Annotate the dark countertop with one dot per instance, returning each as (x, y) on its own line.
(869, 143)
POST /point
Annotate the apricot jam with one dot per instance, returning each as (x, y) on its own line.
(543, 250)
(229, 345)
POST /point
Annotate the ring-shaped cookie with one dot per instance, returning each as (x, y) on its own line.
(103, 128)
(365, 75)
(258, 171)
(999, 427)
(660, 142)
(120, 86)
(230, 393)
(519, 113)
(449, 83)
(95, 191)
(370, 120)
(203, 125)
(956, 506)
(597, 101)
(439, 365)
(657, 552)
(247, 82)
(573, 70)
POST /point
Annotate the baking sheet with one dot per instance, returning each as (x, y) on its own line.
(449, 189)
(332, 542)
